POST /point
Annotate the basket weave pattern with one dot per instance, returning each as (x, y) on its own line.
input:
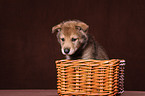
(90, 77)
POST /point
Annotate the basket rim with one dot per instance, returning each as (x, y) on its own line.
(88, 60)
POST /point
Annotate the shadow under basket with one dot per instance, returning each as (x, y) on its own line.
(90, 77)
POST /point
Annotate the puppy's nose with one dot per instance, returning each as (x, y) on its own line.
(66, 50)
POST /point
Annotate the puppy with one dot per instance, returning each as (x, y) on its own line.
(75, 41)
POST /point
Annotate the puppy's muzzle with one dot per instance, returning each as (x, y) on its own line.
(66, 50)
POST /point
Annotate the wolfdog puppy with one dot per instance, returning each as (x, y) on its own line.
(76, 42)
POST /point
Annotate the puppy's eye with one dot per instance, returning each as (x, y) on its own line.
(62, 39)
(73, 39)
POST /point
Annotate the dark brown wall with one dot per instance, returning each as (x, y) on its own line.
(28, 49)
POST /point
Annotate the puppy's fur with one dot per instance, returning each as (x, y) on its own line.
(75, 41)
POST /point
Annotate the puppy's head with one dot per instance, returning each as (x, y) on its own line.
(71, 35)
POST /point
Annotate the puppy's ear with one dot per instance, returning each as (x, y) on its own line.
(56, 28)
(83, 26)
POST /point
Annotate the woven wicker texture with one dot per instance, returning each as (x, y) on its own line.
(90, 77)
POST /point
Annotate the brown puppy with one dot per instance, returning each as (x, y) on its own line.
(75, 41)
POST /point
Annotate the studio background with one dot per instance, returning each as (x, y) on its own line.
(28, 49)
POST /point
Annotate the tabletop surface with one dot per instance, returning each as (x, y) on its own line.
(53, 92)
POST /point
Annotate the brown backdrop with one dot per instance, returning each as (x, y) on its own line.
(28, 49)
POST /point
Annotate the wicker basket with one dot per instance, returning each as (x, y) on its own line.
(90, 77)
